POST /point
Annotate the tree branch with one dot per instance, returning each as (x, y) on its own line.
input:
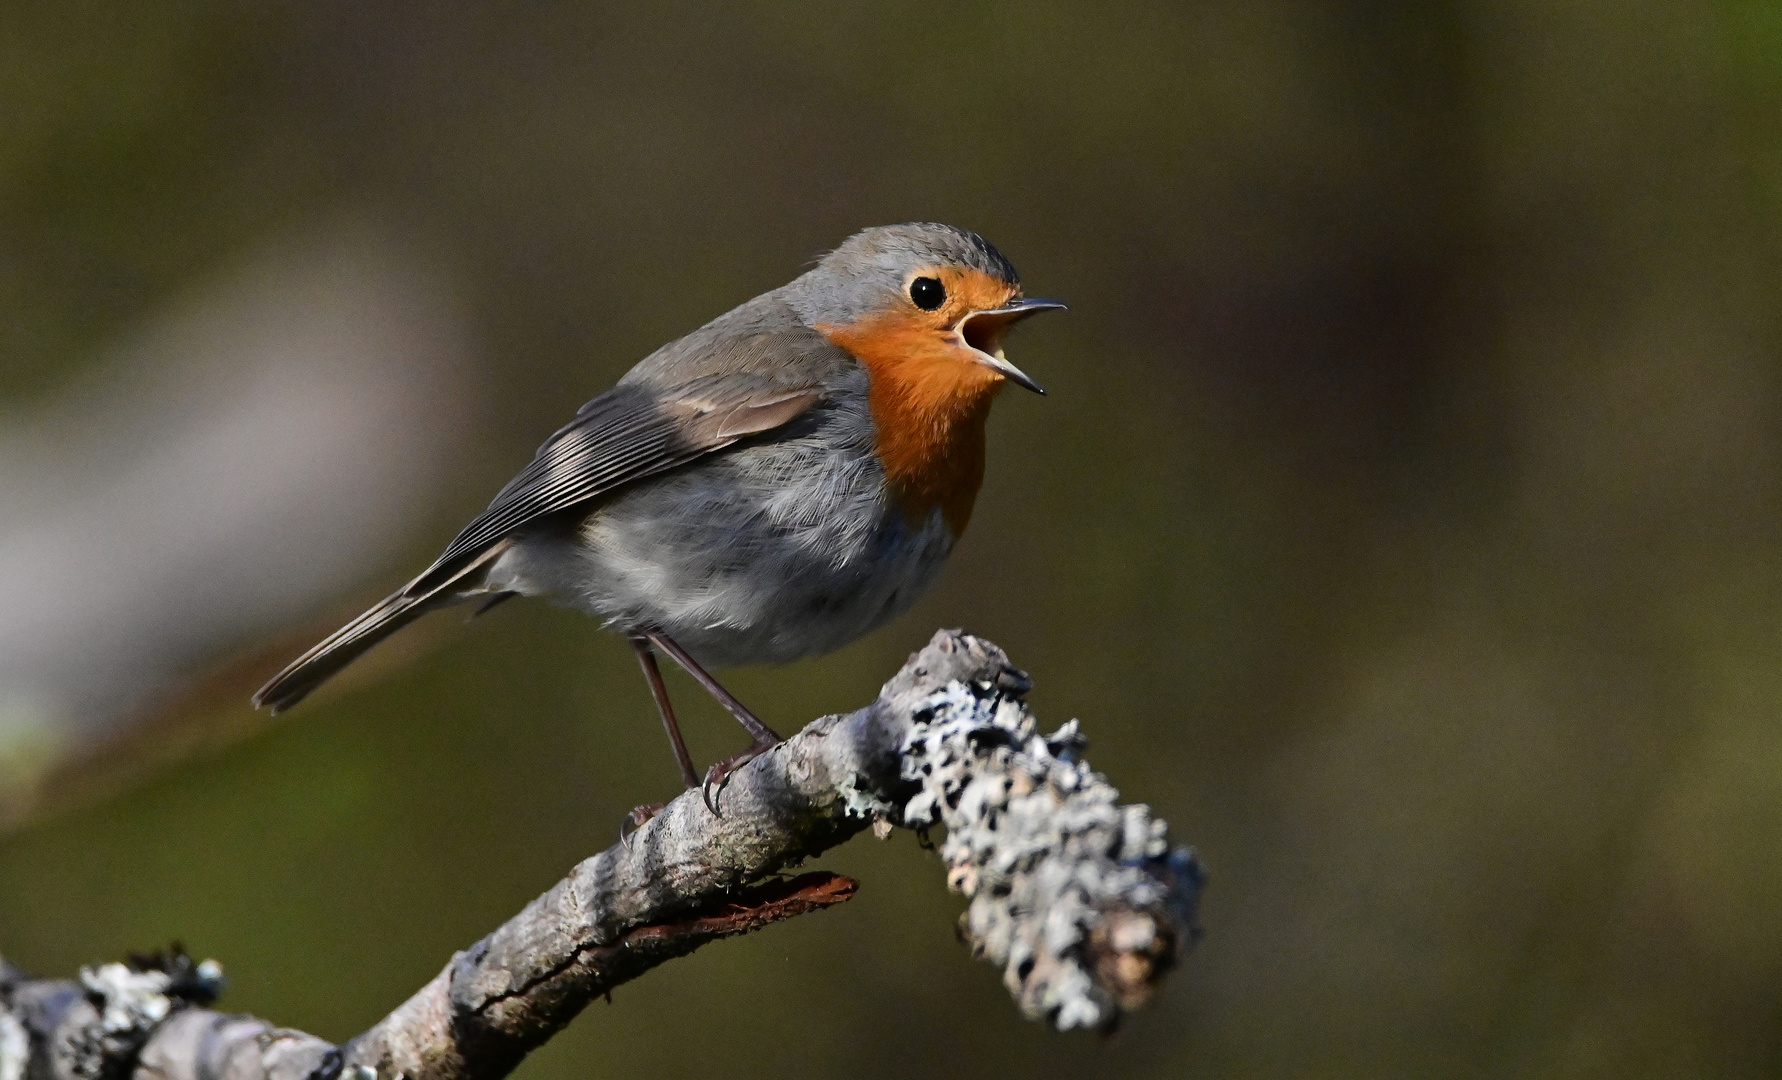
(1080, 900)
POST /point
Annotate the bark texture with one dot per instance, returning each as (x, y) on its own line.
(1081, 901)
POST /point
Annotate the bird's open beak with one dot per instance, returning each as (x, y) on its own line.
(982, 332)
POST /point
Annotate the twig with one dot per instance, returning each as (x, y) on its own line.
(1079, 899)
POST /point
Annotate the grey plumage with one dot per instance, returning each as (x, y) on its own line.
(766, 532)
(691, 397)
(867, 271)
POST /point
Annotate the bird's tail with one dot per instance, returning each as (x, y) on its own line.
(324, 659)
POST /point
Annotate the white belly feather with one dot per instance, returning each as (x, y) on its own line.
(761, 554)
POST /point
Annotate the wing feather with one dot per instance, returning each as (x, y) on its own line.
(752, 370)
(730, 385)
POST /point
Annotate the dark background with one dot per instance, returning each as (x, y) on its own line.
(1403, 522)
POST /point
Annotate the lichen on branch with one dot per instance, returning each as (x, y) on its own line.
(1078, 899)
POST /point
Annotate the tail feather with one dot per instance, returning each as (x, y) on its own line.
(392, 613)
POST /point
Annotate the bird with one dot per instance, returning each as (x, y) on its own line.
(772, 486)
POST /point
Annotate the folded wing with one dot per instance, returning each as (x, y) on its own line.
(637, 429)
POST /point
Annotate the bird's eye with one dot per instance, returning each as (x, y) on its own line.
(928, 293)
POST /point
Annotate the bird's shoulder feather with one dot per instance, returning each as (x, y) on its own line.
(747, 372)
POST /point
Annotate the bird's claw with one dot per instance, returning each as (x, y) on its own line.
(719, 774)
(639, 816)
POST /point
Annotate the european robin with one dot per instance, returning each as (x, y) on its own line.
(769, 487)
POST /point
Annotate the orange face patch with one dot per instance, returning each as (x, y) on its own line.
(929, 396)
(968, 291)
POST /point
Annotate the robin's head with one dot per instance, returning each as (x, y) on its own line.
(939, 292)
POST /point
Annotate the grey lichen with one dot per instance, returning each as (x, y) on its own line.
(15, 1046)
(133, 999)
(130, 1001)
(859, 800)
(1080, 900)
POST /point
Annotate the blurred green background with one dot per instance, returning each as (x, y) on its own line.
(1404, 522)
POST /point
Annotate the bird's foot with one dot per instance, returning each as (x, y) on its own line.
(636, 819)
(719, 774)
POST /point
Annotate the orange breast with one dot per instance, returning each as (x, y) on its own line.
(929, 402)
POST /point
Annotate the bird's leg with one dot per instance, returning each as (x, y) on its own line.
(646, 659)
(765, 739)
(761, 732)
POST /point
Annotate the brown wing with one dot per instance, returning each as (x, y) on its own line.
(623, 435)
(749, 371)
(692, 398)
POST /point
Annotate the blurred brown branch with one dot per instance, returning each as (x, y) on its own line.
(1079, 899)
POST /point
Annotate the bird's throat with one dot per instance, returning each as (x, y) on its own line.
(929, 402)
